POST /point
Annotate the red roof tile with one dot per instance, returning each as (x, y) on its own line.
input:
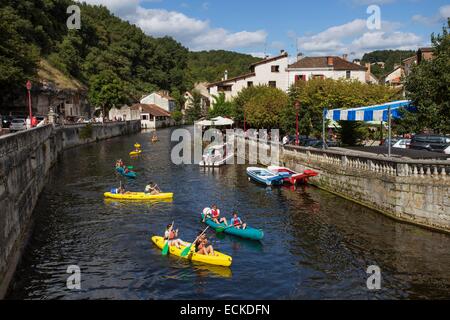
(322, 62)
(152, 109)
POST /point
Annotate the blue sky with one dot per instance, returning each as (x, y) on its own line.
(317, 27)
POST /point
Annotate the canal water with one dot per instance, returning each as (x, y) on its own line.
(316, 245)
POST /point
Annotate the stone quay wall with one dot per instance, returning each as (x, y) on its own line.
(413, 191)
(25, 161)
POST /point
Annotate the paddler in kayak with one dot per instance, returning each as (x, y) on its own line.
(237, 222)
(214, 214)
(172, 235)
(152, 189)
(202, 246)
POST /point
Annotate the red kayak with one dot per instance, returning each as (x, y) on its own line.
(293, 177)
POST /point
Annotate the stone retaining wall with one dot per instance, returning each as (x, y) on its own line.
(25, 161)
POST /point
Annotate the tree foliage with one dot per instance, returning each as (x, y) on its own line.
(210, 66)
(428, 88)
(318, 94)
(389, 57)
(265, 107)
(194, 112)
(221, 107)
(107, 90)
(36, 29)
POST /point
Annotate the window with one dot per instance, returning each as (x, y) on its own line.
(275, 68)
(250, 84)
(225, 88)
(318, 76)
(300, 77)
(144, 117)
(348, 74)
(273, 84)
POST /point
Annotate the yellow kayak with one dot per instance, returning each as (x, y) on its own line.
(138, 196)
(135, 153)
(219, 259)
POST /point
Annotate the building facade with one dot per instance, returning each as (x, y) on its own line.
(152, 116)
(161, 99)
(277, 72)
(331, 67)
(125, 113)
(270, 72)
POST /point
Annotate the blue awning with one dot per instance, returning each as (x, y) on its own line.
(370, 113)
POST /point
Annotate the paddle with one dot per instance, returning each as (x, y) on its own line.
(165, 249)
(188, 249)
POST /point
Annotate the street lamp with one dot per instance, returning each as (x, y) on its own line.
(29, 103)
(297, 108)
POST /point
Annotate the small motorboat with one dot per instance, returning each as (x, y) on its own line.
(292, 176)
(265, 176)
(217, 155)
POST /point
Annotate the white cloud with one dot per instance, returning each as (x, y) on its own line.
(383, 40)
(355, 38)
(441, 16)
(194, 33)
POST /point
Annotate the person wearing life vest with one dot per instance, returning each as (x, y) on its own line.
(215, 215)
(202, 245)
(171, 236)
(237, 222)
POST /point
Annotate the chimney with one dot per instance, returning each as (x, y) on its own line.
(357, 61)
(345, 56)
(369, 68)
(299, 56)
(330, 61)
(282, 51)
(225, 76)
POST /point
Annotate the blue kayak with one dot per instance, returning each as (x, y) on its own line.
(247, 233)
(129, 174)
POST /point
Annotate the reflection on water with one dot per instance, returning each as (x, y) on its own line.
(316, 245)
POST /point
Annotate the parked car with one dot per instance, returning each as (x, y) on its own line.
(6, 121)
(435, 143)
(398, 143)
(18, 124)
(402, 144)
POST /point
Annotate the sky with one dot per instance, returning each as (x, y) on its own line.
(264, 27)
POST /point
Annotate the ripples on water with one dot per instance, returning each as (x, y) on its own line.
(316, 246)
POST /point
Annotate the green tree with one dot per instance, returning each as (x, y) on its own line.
(194, 112)
(265, 107)
(18, 56)
(107, 91)
(221, 107)
(428, 88)
(317, 94)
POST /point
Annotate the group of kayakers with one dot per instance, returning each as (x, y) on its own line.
(214, 214)
(121, 164)
(201, 243)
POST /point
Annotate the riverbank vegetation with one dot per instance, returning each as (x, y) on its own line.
(428, 88)
(267, 107)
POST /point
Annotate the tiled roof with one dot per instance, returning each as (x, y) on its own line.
(322, 62)
(231, 79)
(152, 109)
(284, 55)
